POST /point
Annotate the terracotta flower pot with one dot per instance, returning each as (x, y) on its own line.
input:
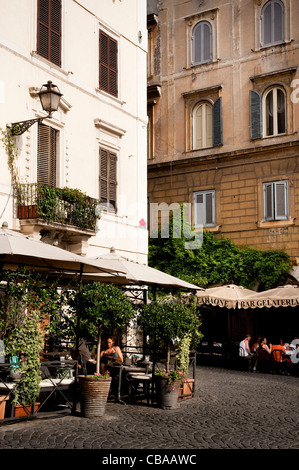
(93, 393)
(24, 410)
(186, 389)
(3, 400)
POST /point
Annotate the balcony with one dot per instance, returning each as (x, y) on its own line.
(60, 216)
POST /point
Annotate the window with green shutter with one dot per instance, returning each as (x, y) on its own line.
(108, 73)
(108, 179)
(47, 155)
(49, 30)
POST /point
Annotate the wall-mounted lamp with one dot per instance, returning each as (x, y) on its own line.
(49, 96)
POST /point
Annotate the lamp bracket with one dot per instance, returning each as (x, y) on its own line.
(18, 128)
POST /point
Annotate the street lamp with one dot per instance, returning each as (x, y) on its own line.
(49, 96)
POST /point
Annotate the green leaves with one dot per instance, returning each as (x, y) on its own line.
(219, 261)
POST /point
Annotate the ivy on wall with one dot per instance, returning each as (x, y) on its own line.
(218, 261)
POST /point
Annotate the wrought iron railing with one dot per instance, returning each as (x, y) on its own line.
(61, 205)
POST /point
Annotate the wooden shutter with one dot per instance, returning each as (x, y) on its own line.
(281, 200)
(49, 30)
(255, 104)
(108, 178)
(217, 122)
(268, 202)
(108, 64)
(46, 155)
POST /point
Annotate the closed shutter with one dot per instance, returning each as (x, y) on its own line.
(108, 178)
(217, 122)
(108, 64)
(49, 30)
(47, 155)
(268, 202)
(255, 104)
(281, 206)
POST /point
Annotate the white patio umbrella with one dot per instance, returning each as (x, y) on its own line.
(141, 274)
(227, 296)
(17, 249)
(282, 296)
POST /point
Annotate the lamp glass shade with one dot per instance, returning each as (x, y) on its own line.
(50, 97)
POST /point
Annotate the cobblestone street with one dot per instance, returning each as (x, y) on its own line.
(231, 410)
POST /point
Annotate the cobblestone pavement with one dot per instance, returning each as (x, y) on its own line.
(231, 410)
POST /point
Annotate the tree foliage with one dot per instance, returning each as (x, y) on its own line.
(100, 308)
(168, 322)
(217, 261)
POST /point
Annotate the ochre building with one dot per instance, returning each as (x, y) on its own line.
(223, 109)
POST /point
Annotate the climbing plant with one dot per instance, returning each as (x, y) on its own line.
(218, 260)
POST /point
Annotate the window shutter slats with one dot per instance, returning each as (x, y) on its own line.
(108, 178)
(217, 122)
(47, 155)
(49, 30)
(108, 75)
(255, 104)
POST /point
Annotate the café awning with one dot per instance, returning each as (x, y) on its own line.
(226, 296)
(282, 296)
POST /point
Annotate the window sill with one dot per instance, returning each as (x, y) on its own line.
(276, 223)
(214, 228)
(108, 95)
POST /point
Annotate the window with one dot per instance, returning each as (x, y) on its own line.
(203, 110)
(276, 200)
(47, 155)
(207, 125)
(202, 43)
(108, 179)
(272, 23)
(49, 30)
(204, 208)
(202, 126)
(108, 64)
(267, 113)
(274, 112)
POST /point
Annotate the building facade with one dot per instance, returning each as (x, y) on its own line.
(223, 107)
(97, 140)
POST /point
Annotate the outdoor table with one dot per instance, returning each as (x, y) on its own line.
(49, 384)
(119, 374)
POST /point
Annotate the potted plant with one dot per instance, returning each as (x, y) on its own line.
(98, 308)
(22, 309)
(169, 321)
(183, 356)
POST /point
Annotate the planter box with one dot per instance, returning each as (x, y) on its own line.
(3, 400)
(24, 410)
(187, 390)
(27, 212)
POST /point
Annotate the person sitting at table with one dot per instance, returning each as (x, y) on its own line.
(244, 351)
(281, 347)
(111, 354)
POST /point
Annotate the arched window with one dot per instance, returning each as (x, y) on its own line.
(272, 22)
(202, 43)
(274, 112)
(202, 126)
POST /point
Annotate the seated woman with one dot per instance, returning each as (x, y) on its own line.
(111, 353)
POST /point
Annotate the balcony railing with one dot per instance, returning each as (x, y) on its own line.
(61, 205)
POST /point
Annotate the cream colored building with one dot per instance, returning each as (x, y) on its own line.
(223, 105)
(97, 140)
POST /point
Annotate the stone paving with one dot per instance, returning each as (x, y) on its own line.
(231, 410)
